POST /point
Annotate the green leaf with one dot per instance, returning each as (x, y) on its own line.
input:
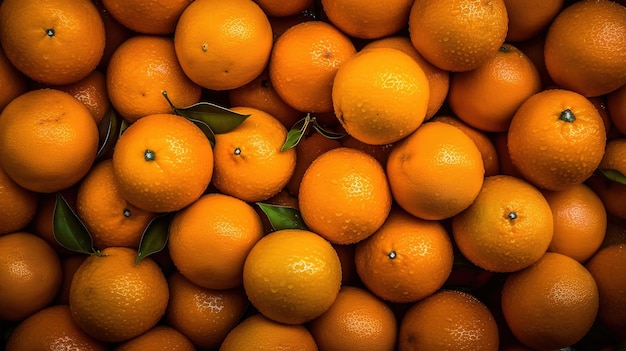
(206, 130)
(109, 132)
(282, 217)
(301, 128)
(69, 230)
(327, 133)
(614, 175)
(154, 238)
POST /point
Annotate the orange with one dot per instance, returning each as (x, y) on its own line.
(556, 139)
(51, 328)
(344, 195)
(500, 141)
(458, 35)
(249, 163)
(42, 223)
(448, 320)
(601, 105)
(304, 62)
(582, 47)
(380, 95)
(612, 192)
(52, 41)
(30, 275)
(133, 295)
(368, 19)
(69, 266)
(487, 97)
(258, 333)
(92, 92)
(551, 304)
(614, 156)
(139, 71)
(162, 163)
(48, 140)
(615, 231)
(508, 227)
(527, 19)
(292, 276)
(223, 45)
(14, 83)
(145, 16)
(616, 105)
(379, 152)
(424, 171)
(221, 224)
(160, 337)
(109, 218)
(204, 316)
(357, 320)
(580, 221)
(534, 48)
(115, 34)
(406, 260)
(438, 79)
(280, 8)
(18, 206)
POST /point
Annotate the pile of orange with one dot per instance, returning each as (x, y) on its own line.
(312, 175)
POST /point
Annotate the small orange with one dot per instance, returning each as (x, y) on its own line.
(344, 195)
(448, 320)
(146, 16)
(52, 41)
(508, 227)
(612, 194)
(223, 45)
(600, 103)
(14, 83)
(304, 62)
(279, 8)
(507, 167)
(92, 92)
(162, 163)
(534, 48)
(406, 260)
(292, 276)
(18, 206)
(527, 19)
(115, 34)
(160, 337)
(616, 105)
(424, 171)
(551, 304)
(556, 139)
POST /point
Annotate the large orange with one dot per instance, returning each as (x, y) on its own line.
(145, 16)
(159, 338)
(527, 19)
(18, 206)
(52, 41)
(14, 83)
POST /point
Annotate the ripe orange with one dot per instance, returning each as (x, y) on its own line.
(18, 206)
(527, 19)
(424, 171)
(551, 304)
(582, 49)
(458, 35)
(612, 193)
(249, 163)
(160, 337)
(500, 142)
(616, 105)
(14, 83)
(448, 320)
(92, 92)
(52, 41)
(146, 16)
(292, 276)
(42, 224)
(304, 62)
(556, 139)
(115, 34)
(139, 71)
(132, 296)
(357, 320)
(380, 95)
(48, 140)
(30, 275)
(154, 171)
(223, 45)
(204, 316)
(406, 260)
(508, 227)
(344, 195)
(280, 8)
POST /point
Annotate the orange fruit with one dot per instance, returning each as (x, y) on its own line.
(304, 62)
(508, 227)
(424, 171)
(18, 206)
(30, 275)
(379, 152)
(154, 172)
(580, 221)
(556, 139)
(487, 97)
(92, 92)
(458, 35)
(51, 328)
(551, 304)
(134, 296)
(534, 48)
(223, 45)
(368, 19)
(284, 8)
(292, 276)
(145, 16)
(109, 218)
(14, 83)
(527, 19)
(344, 195)
(204, 316)
(616, 105)
(69, 266)
(406, 260)
(161, 337)
(611, 192)
(500, 142)
(357, 320)
(249, 163)
(448, 320)
(48, 140)
(380, 95)
(221, 224)
(52, 41)
(139, 71)
(601, 105)
(258, 333)
(614, 156)
(114, 32)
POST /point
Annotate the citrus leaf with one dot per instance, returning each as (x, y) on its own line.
(614, 175)
(109, 132)
(206, 130)
(296, 133)
(68, 229)
(282, 217)
(154, 238)
(327, 133)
